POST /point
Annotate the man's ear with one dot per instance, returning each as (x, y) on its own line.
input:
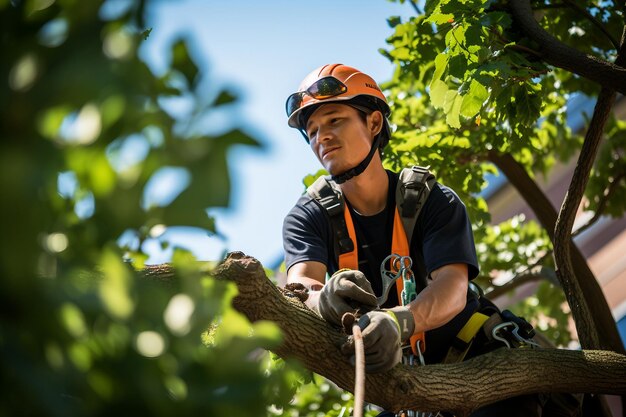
(375, 122)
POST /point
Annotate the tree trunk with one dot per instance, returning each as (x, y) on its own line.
(459, 388)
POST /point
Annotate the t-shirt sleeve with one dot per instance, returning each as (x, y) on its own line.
(447, 232)
(305, 233)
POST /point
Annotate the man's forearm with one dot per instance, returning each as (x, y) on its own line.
(313, 286)
(440, 301)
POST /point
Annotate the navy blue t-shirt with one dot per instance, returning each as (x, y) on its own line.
(442, 236)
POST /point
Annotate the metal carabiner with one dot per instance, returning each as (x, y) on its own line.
(498, 328)
(389, 276)
(420, 354)
(523, 340)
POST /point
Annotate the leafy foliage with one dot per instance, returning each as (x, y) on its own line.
(468, 86)
(86, 133)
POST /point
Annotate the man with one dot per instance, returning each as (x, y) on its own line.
(342, 114)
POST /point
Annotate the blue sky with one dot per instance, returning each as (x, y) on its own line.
(261, 50)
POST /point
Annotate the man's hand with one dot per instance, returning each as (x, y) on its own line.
(346, 291)
(383, 333)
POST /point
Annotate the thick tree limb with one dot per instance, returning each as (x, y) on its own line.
(587, 332)
(456, 387)
(556, 53)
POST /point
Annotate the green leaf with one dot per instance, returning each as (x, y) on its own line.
(182, 62)
(394, 21)
(225, 97)
(438, 92)
(210, 180)
(452, 115)
(430, 6)
(441, 61)
(456, 36)
(115, 286)
(440, 18)
(457, 66)
(474, 99)
(502, 19)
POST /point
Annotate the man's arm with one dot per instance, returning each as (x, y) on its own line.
(311, 274)
(442, 299)
(384, 331)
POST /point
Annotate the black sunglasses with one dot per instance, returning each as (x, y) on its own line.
(321, 89)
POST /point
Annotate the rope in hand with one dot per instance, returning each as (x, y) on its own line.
(351, 326)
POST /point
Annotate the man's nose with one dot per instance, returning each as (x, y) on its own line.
(324, 134)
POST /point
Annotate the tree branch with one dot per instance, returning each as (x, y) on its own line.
(521, 279)
(558, 54)
(587, 332)
(589, 336)
(459, 388)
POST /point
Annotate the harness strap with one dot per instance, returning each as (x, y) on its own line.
(414, 186)
(412, 191)
(324, 192)
(399, 246)
(465, 337)
(349, 259)
(491, 325)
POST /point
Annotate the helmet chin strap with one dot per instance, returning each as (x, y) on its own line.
(357, 170)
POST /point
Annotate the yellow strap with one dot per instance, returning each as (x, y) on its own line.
(472, 327)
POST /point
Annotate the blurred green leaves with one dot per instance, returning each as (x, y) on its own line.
(86, 132)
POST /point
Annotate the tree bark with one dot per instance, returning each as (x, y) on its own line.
(459, 388)
(588, 332)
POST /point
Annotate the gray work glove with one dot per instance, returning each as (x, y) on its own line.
(383, 332)
(346, 291)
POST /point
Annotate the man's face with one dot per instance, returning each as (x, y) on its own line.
(339, 137)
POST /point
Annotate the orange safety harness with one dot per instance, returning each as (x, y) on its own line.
(414, 185)
(399, 246)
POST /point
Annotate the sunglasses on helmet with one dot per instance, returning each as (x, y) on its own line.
(321, 89)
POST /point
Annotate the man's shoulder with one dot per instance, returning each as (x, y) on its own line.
(445, 194)
(306, 206)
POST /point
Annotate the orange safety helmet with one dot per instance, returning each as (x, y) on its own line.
(339, 83)
(331, 83)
